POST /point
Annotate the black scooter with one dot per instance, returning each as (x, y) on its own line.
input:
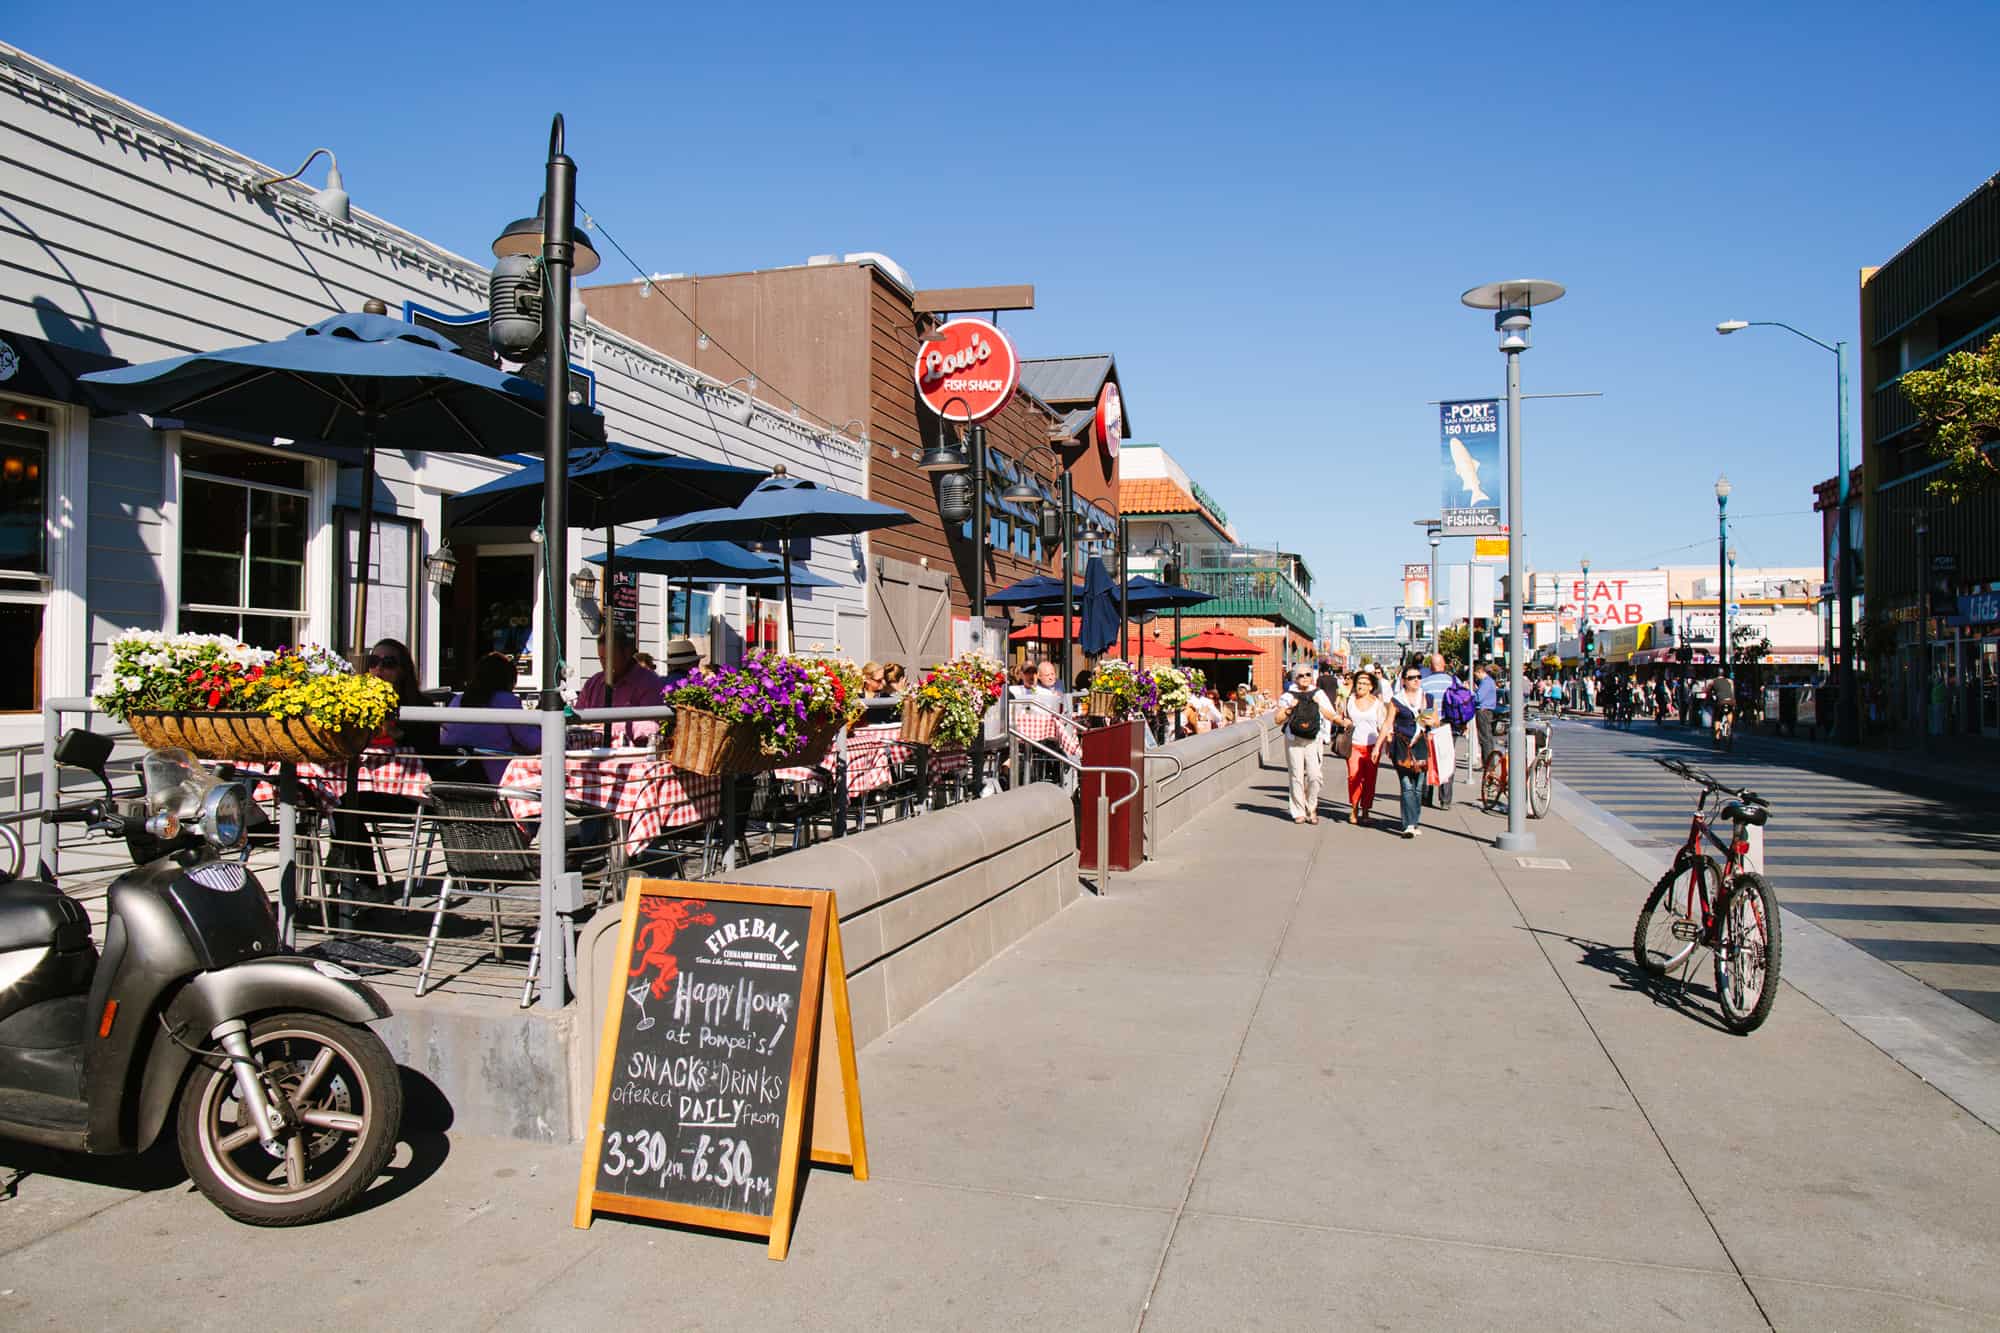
(286, 1106)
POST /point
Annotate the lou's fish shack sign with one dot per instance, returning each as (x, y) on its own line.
(1469, 436)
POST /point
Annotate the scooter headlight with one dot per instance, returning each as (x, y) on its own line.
(222, 816)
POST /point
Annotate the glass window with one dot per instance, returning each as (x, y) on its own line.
(243, 544)
(24, 470)
(686, 622)
(21, 672)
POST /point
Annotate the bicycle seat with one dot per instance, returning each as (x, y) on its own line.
(1742, 812)
(1536, 728)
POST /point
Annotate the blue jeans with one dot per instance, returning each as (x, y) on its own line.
(1412, 795)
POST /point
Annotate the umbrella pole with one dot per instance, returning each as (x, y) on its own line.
(788, 595)
(610, 617)
(364, 540)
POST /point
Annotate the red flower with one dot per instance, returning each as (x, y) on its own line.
(214, 698)
(194, 676)
(256, 671)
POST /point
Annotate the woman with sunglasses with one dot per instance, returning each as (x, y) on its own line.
(1409, 745)
(1368, 715)
(390, 660)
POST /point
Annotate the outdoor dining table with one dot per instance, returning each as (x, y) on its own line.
(1038, 724)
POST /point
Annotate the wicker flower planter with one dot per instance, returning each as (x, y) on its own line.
(249, 737)
(705, 744)
(920, 724)
(1103, 703)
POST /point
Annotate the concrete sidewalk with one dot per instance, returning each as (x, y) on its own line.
(1286, 1077)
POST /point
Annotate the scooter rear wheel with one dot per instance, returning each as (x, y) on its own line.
(344, 1111)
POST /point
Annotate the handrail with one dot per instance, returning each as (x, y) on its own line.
(1104, 807)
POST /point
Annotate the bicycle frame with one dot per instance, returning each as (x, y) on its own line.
(1701, 829)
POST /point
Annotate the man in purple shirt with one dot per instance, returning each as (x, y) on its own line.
(633, 686)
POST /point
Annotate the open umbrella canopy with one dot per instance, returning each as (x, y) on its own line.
(352, 379)
(1144, 594)
(1099, 609)
(608, 484)
(1218, 643)
(779, 510)
(697, 562)
(1037, 592)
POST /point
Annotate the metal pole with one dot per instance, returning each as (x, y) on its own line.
(1848, 703)
(977, 437)
(558, 258)
(1722, 582)
(1124, 628)
(1437, 603)
(1923, 708)
(1069, 588)
(1516, 838)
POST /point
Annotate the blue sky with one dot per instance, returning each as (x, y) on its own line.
(1266, 212)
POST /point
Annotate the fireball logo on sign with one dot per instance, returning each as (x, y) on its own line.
(653, 969)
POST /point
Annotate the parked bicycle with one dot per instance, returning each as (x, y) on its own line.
(1541, 768)
(1723, 906)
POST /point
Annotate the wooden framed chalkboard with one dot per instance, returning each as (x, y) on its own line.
(702, 1101)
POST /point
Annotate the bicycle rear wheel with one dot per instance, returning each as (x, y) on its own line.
(1541, 786)
(1748, 954)
(1668, 923)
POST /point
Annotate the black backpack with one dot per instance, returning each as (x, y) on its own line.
(1304, 719)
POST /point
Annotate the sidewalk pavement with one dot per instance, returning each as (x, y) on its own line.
(1286, 1077)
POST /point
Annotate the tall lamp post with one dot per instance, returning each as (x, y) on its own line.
(1511, 304)
(1847, 704)
(1722, 574)
(1437, 603)
(1024, 494)
(550, 235)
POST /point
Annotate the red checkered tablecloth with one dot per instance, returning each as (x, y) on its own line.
(649, 793)
(1035, 724)
(397, 772)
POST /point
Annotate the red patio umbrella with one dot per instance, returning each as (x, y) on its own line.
(1219, 643)
(1049, 630)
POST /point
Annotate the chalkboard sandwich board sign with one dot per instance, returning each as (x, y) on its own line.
(704, 1092)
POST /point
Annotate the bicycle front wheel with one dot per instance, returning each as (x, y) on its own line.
(1747, 954)
(1668, 923)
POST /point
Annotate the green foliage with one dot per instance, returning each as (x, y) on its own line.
(1875, 638)
(1958, 409)
(1453, 643)
(1748, 644)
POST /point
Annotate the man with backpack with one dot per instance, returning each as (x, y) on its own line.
(1304, 714)
(1438, 686)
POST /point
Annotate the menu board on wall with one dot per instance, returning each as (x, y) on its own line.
(703, 1096)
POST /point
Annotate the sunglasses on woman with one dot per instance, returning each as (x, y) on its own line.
(376, 660)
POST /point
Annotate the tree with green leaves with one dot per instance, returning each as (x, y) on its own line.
(1958, 408)
(1453, 642)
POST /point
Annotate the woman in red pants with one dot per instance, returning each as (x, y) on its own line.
(1368, 715)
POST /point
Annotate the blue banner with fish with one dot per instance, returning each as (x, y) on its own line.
(1469, 435)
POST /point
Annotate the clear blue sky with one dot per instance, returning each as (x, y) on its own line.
(1266, 212)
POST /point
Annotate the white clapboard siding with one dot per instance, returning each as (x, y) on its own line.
(124, 234)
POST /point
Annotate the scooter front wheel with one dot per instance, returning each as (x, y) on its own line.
(339, 1096)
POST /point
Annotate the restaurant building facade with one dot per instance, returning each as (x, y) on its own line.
(837, 338)
(128, 238)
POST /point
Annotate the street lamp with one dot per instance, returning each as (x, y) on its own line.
(551, 234)
(1437, 605)
(1847, 703)
(1166, 556)
(1022, 493)
(1511, 304)
(1722, 572)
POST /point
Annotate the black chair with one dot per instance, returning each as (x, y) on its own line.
(488, 854)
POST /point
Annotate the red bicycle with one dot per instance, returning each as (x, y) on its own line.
(1721, 906)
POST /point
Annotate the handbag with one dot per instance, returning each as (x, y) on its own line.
(1343, 740)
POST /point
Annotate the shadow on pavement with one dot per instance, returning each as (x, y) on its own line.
(1615, 961)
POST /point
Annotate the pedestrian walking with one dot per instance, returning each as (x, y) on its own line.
(1437, 685)
(1409, 745)
(1304, 712)
(1366, 714)
(1486, 702)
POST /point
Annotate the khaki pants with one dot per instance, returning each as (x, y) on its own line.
(1302, 763)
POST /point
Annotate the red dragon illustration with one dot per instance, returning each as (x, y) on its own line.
(662, 919)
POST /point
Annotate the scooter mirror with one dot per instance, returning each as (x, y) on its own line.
(86, 750)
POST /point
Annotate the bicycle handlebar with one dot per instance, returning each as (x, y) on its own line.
(1708, 782)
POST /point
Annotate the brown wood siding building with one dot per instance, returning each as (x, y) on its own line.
(840, 342)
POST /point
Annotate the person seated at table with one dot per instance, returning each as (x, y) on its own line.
(894, 677)
(875, 681)
(632, 686)
(682, 658)
(1083, 681)
(1048, 685)
(492, 679)
(1024, 682)
(645, 660)
(390, 660)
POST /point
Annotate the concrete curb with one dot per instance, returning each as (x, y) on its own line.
(1936, 1038)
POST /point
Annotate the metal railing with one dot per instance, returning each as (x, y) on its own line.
(1105, 806)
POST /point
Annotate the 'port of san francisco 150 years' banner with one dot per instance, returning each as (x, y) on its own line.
(1470, 435)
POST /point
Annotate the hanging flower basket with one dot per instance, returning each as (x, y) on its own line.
(920, 725)
(705, 744)
(1103, 703)
(248, 737)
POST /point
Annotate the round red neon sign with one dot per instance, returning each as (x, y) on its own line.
(1109, 424)
(971, 374)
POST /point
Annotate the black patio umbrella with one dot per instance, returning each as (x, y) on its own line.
(1037, 594)
(365, 380)
(782, 510)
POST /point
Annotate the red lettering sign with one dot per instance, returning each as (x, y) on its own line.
(1109, 423)
(969, 375)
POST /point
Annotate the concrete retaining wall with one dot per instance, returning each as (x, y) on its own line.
(1214, 765)
(923, 904)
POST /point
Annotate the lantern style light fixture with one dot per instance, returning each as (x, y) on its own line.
(583, 586)
(945, 456)
(441, 566)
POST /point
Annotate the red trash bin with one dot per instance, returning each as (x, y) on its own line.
(1122, 744)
